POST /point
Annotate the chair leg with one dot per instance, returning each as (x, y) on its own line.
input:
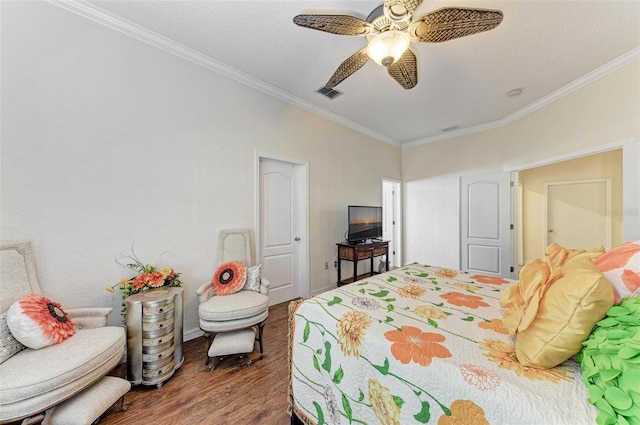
(208, 342)
(260, 330)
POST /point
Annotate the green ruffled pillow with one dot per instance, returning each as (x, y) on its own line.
(610, 362)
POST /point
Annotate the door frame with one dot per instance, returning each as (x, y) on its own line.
(302, 214)
(397, 207)
(607, 183)
(630, 176)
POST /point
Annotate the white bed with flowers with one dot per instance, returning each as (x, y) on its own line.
(421, 345)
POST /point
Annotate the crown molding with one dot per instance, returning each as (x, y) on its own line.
(138, 32)
(594, 75)
(114, 22)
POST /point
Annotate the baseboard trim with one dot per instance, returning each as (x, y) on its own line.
(191, 334)
(321, 290)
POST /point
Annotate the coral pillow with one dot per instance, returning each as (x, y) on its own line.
(37, 322)
(567, 313)
(621, 266)
(229, 278)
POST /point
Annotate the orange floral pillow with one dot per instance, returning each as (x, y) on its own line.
(229, 278)
(37, 322)
(621, 266)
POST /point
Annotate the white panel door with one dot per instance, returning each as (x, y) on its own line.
(278, 230)
(485, 224)
(577, 213)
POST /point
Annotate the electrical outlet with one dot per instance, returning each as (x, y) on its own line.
(326, 265)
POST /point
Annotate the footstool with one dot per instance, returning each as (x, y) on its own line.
(90, 404)
(236, 342)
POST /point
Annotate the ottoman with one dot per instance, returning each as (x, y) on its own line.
(236, 342)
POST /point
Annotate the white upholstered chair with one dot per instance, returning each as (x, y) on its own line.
(50, 384)
(242, 310)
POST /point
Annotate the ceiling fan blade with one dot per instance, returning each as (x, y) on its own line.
(334, 24)
(449, 23)
(348, 67)
(405, 70)
(400, 9)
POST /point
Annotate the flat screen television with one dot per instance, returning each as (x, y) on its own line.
(364, 223)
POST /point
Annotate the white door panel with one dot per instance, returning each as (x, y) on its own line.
(278, 227)
(485, 224)
(575, 207)
(484, 202)
(484, 259)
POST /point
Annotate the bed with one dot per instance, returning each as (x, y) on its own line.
(421, 345)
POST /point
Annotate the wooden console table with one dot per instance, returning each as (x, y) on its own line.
(357, 252)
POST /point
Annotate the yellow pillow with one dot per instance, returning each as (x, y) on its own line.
(567, 313)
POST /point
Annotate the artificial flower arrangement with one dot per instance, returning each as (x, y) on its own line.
(148, 277)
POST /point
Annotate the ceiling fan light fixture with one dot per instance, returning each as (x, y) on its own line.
(387, 47)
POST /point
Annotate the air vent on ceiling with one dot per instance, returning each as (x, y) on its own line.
(453, 127)
(330, 93)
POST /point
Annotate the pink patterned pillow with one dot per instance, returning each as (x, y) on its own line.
(621, 267)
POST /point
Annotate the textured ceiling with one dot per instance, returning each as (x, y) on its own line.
(542, 47)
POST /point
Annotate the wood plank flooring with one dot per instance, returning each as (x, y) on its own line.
(230, 394)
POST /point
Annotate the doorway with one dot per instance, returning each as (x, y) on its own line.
(282, 236)
(574, 188)
(391, 220)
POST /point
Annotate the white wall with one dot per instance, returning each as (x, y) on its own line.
(603, 112)
(109, 142)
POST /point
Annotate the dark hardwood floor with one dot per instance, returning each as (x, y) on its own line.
(230, 394)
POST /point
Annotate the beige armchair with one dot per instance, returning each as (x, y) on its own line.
(34, 382)
(233, 313)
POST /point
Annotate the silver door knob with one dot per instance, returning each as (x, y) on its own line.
(296, 239)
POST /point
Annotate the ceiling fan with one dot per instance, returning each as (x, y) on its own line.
(391, 28)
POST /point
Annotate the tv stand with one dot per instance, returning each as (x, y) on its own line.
(355, 252)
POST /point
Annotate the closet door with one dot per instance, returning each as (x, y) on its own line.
(485, 224)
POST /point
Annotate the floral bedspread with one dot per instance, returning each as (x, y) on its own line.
(419, 345)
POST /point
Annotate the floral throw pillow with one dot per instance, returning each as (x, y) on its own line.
(229, 278)
(621, 267)
(38, 322)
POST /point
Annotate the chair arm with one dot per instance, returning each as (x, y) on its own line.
(88, 318)
(204, 292)
(264, 286)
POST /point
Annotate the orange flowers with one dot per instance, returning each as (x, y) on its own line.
(494, 325)
(153, 280)
(491, 280)
(464, 300)
(617, 257)
(631, 280)
(411, 344)
(464, 412)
